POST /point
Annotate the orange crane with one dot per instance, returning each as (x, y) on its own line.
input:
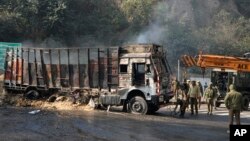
(217, 61)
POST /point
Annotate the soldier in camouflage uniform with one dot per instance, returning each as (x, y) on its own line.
(234, 103)
(209, 96)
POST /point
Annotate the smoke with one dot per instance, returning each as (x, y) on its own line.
(173, 25)
(164, 30)
(50, 42)
(165, 13)
(153, 34)
(155, 31)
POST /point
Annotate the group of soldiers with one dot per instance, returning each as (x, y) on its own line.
(191, 94)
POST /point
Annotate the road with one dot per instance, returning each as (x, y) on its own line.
(16, 124)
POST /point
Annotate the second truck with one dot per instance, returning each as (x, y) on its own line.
(226, 70)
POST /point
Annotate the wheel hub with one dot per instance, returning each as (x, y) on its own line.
(137, 106)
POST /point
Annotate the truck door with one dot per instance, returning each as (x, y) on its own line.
(138, 74)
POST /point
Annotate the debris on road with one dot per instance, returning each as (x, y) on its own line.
(91, 103)
(34, 112)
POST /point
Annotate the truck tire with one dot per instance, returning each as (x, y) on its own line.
(246, 103)
(32, 94)
(138, 105)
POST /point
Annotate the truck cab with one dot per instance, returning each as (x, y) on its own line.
(144, 77)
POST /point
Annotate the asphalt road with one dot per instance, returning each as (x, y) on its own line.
(16, 124)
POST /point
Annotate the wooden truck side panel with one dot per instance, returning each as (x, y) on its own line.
(62, 68)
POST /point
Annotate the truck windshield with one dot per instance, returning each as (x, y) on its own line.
(138, 73)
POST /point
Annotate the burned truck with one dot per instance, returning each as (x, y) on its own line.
(133, 76)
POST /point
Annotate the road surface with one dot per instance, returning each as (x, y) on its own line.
(16, 124)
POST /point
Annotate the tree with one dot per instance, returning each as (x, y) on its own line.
(31, 19)
(227, 35)
(93, 19)
(138, 12)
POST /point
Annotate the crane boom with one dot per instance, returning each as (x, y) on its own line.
(217, 61)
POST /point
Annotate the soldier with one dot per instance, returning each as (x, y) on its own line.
(209, 96)
(183, 104)
(182, 99)
(175, 87)
(187, 97)
(205, 86)
(201, 88)
(179, 101)
(234, 104)
(217, 93)
(194, 95)
(185, 86)
(201, 92)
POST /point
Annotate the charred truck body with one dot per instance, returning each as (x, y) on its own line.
(135, 76)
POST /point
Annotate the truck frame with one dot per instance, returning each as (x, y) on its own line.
(136, 77)
(226, 70)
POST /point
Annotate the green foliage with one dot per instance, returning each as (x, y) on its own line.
(30, 19)
(112, 22)
(67, 20)
(138, 12)
(138, 15)
(179, 40)
(93, 18)
(227, 35)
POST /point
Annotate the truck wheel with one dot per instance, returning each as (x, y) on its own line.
(246, 103)
(32, 94)
(137, 105)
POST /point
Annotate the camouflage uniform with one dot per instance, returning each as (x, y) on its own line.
(209, 96)
(234, 103)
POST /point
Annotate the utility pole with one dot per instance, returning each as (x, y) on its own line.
(178, 71)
